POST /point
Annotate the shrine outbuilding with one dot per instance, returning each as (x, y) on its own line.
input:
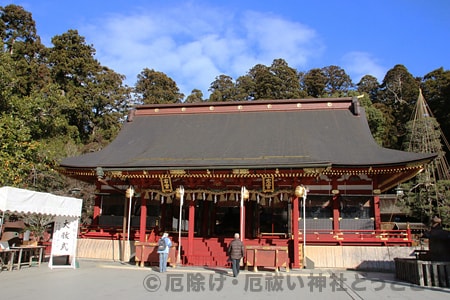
(282, 173)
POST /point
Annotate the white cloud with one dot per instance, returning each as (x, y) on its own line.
(358, 64)
(275, 37)
(193, 47)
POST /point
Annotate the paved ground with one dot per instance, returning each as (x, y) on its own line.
(113, 280)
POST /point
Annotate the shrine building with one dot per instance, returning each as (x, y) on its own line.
(235, 167)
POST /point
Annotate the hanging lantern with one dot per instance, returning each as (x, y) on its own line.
(245, 193)
(300, 191)
(129, 192)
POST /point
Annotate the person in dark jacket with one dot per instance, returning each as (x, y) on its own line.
(236, 252)
(438, 243)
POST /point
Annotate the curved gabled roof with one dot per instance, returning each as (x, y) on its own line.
(258, 134)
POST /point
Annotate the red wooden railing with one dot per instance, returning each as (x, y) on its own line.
(319, 237)
(358, 237)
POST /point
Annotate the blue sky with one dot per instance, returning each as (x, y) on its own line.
(195, 41)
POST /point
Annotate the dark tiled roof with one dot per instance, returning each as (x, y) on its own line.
(244, 139)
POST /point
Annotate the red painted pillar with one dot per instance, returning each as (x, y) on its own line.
(143, 219)
(336, 214)
(336, 206)
(191, 228)
(376, 205)
(97, 205)
(295, 217)
(377, 213)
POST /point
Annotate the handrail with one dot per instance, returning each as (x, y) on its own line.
(353, 236)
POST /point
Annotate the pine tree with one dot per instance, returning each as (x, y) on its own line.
(428, 193)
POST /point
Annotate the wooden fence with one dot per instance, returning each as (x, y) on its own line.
(422, 272)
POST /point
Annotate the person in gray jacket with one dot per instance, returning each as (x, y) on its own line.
(236, 252)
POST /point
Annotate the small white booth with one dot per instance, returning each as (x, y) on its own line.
(66, 212)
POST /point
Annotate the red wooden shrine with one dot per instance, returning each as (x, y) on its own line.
(215, 150)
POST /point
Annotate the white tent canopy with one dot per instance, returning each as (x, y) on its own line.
(65, 212)
(26, 201)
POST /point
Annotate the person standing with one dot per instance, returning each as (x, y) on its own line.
(163, 250)
(236, 252)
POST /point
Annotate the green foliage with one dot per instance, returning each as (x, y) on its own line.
(331, 81)
(278, 81)
(53, 102)
(423, 136)
(286, 83)
(338, 82)
(314, 82)
(18, 153)
(223, 89)
(155, 87)
(429, 193)
(399, 92)
(436, 89)
(196, 96)
(22, 44)
(369, 85)
(423, 199)
(97, 99)
(375, 117)
(37, 224)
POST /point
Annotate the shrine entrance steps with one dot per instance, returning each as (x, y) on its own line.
(212, 252)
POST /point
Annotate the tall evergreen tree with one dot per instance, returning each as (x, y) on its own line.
(287, 81)
(375, 118)
(399, 92)
(196, 96)
(278, 81)
(222, 89)
(153, 87)
(314, 83)
(98, 100)
(436, 89)
(428, 193)
(369, 84)
(338, 83)
(21, 42)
